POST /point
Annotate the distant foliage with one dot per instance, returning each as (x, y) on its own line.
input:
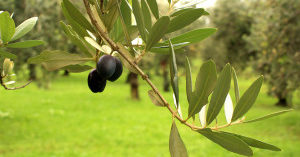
(228, 44)
(275, 38)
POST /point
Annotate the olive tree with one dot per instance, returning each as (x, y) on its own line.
(110, 25)
(275, 39)
(234, 23)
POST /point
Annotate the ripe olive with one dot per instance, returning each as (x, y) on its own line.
(106, 66)
(96, 82)
(118, 70)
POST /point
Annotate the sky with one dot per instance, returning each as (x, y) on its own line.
(202, 3)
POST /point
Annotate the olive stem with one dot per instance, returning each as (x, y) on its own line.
(145, 77)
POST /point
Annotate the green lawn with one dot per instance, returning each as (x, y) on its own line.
(69, 121)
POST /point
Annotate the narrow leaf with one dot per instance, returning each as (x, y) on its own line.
(177, 105)
(189, 83)
(180, 12)
(53, 60)
(24, 28)
(173, 73)
(268, 116)
(227, 141)
(155, 98)
(219, 95)
(77, 27)
(146, 15)
(228, 108)
(185, 39)
(26, 44)
(137, 11)
(205, 83)
(7, 27)
(93, 43)
(185, 19)
(126, 12)
(76, 40)
(77, 68)
(236, 86)
(77, 16)
(7, 54)
(202, 116)
(157, 31)
(248, 99)
(255, 143)
(128, 56)
(176, 145)
(154, 8)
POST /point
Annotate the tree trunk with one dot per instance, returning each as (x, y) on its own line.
(32, 72)
(282, 102)
(66, 73)
(132, 78)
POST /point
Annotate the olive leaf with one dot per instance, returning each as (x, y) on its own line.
(53, 60)
(26, 44)
(248, 99)
(176, 145)
(255, 143)
(155, 98)
(7, 27)
(227, 141)
(205, 83)
(219, 94)
(24, 28)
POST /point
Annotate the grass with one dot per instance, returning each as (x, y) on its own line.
(69, 121)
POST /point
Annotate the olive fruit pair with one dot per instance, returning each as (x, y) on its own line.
(108, 68)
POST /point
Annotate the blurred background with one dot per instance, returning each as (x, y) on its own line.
(57, 115)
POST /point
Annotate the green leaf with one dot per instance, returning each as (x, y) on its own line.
(7, 54)
(236, 86)
(205, 83)
(248, 99)
(155, 98)
(189, 82)
(157, 31)
(154, 8)
(111, 16)
(94, 43)
(186, 18)
(26, 44)
(126, 12)
(146, 15)
(53, 60)
(137, 11)
(176, 145)
(127, 54)
(77, 16)
(219, 95)
(7, 27)
(227, 141)
(24, 28)
(77, 68)
(77, 27)
(180, 12)
(255, 143)
(73, 36)
(268, 116)
(174, 73)
(184, 39)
